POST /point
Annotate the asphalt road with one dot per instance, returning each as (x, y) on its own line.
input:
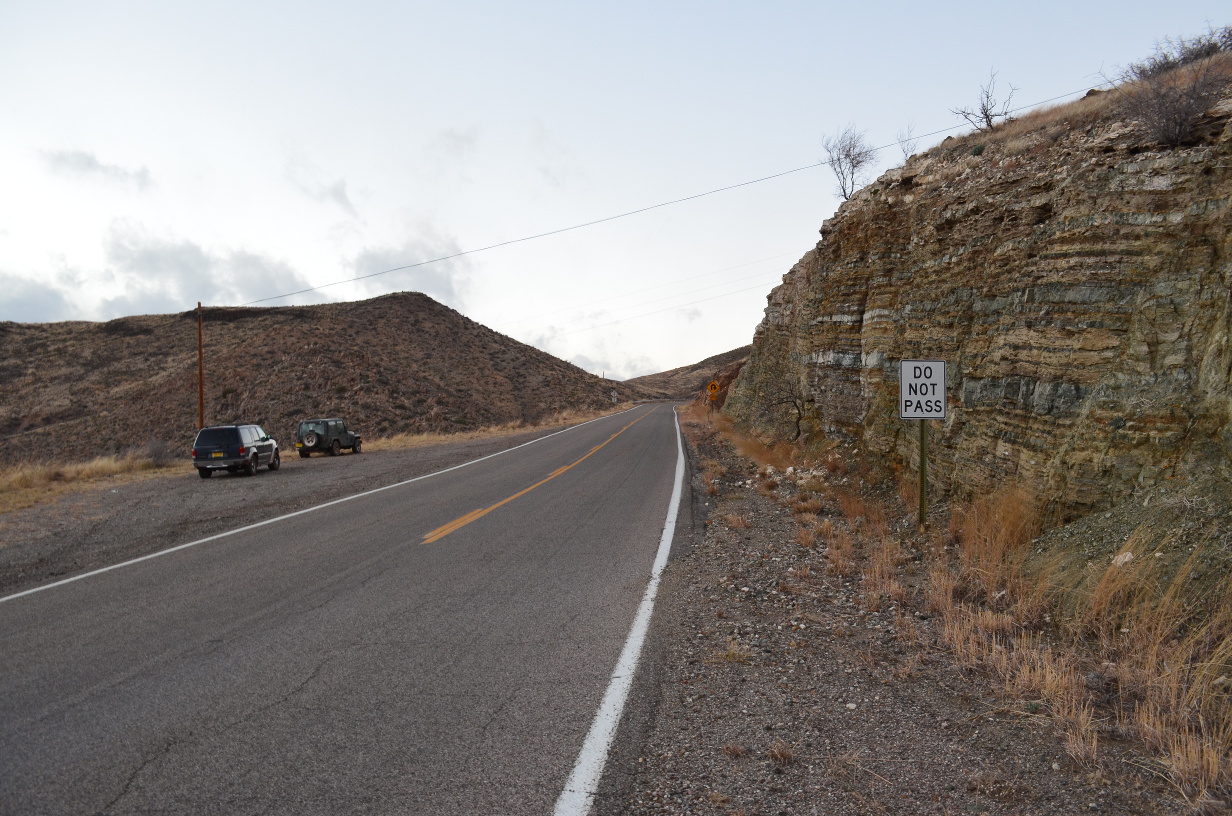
(436, 647)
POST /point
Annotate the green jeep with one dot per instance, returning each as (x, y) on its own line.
(327, 435)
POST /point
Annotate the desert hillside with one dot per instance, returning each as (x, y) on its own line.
(687, 381)
(398, 363)
(1075, 273)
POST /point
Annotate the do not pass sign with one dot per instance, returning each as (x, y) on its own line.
(921, 389)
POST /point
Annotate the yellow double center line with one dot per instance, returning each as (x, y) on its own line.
(458, 523)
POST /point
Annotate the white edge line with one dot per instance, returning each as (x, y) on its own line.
(579, 793)
(314, 508)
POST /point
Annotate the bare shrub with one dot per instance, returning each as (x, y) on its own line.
(907, 141)
(849, 155)
(988, 111)
(780, 754)
(1165, 93)
(736, 521)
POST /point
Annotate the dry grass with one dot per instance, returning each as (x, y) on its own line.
(841, 553)
(734, 652)
(780, 754)
(27, 485)
(736, 521)
(422, 440)
(1141, 627)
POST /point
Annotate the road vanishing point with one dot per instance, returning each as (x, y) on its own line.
(443, 645)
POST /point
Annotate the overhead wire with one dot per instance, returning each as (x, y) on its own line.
(649, 288)
(641, 209)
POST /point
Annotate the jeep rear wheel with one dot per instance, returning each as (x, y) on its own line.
(335, 448)
(303, 454)
(357, 447)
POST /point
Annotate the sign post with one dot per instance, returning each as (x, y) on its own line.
(713, 388)
(921, 395)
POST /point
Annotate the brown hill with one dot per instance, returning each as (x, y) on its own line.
(398, 363)
(685, 382)
(1073, 272)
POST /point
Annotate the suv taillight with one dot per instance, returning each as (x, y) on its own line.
(241, 450)
(194, 453)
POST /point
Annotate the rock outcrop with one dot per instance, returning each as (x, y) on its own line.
(1075, 278)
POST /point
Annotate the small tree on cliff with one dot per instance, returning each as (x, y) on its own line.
(849, 155)
(988, 111)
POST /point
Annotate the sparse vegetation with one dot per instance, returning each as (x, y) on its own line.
(1167, 92)
(988, 110)
(27, 484)
(849, 155)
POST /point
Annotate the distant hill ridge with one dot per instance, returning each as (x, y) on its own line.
(687, 381)
(398, 363)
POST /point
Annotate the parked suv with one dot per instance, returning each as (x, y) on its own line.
(234, 448)
(329, 435)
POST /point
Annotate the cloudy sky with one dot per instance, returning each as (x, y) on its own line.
(156, 154)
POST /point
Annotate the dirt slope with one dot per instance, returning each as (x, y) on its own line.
(398, 363)
(687, 381)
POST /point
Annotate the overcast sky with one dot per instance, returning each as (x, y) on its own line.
(156, 154)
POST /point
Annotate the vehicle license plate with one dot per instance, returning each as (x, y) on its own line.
(216, 454)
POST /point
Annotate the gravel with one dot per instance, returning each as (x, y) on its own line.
(775, 690)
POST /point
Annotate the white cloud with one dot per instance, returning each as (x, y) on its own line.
(306, 178)
(26, 301)
(457, 143)
(80, 164)
(446, 280)
(160, 275)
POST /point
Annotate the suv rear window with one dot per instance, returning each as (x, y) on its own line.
(217, 436)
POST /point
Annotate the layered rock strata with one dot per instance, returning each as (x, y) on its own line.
(1075, 279)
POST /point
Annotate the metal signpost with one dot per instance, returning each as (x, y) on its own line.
(921, 395)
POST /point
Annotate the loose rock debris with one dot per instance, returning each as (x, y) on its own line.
(785, 691)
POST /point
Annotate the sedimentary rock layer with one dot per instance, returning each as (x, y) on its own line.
(1075, 279)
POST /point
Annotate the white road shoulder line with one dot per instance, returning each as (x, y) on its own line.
(312, 509)
(579, 792)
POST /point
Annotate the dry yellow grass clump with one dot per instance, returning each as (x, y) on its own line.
(26, 485)
(1138, 644)
(422, 440)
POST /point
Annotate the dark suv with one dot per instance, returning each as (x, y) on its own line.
(328, 435)
(234, 448)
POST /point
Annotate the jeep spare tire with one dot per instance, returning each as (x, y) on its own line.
(310, 440)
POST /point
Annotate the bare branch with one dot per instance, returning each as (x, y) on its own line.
(986, 114)
(848, 153)
(907, 142)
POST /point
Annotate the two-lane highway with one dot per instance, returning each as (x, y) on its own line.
(440, 646)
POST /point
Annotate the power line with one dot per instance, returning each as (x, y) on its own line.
(637, 211)
(540, 235)
(660, 311)
(652, 288)
(776, 274)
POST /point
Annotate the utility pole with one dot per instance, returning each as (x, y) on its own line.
(200, 373)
